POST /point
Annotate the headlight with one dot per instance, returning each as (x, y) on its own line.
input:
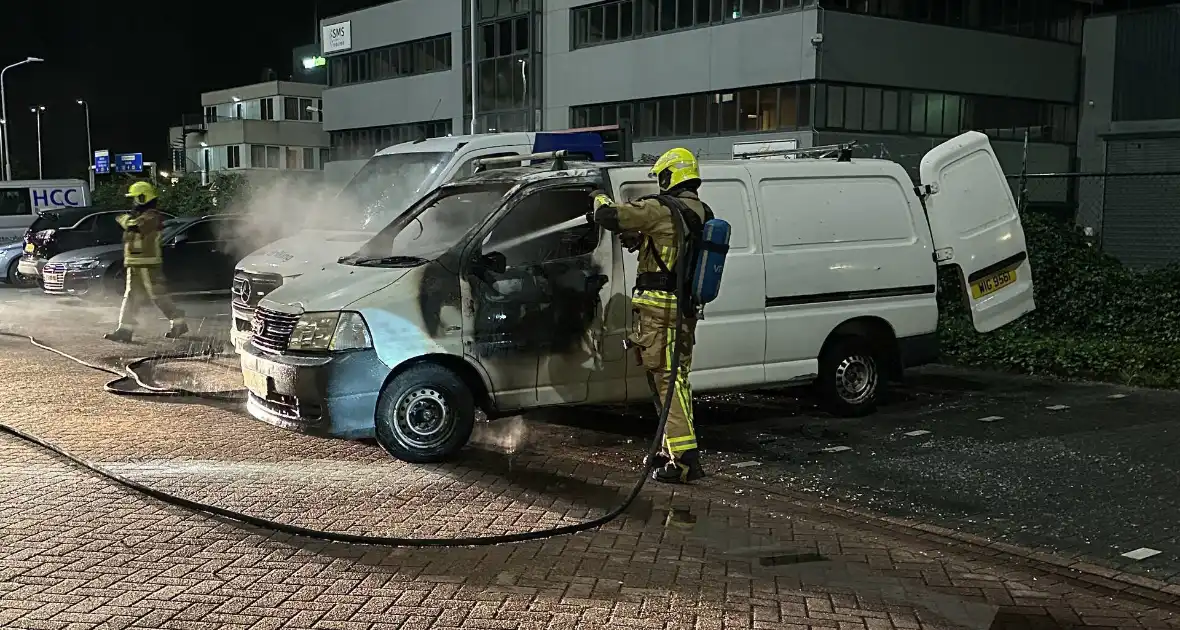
(82, 265)
(345, 330)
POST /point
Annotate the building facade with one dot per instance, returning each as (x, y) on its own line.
(266, 130)
(897, 76)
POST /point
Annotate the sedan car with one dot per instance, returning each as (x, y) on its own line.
(9, 262)
(64, 229)
(199, 256)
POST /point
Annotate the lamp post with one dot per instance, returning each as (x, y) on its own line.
(4, 113)
(3, 153)
(37, 109)
(89, 146)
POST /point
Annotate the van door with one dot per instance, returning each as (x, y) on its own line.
(975, 226)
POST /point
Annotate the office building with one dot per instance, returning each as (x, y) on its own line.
(1130, 135)
(898, 76)
(266, 130)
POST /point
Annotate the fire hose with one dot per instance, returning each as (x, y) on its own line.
(129, 375)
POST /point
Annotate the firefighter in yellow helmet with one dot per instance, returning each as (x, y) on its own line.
(647, 224)
(142, 260)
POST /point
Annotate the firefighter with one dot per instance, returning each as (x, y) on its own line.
(647, 224)
(142, 261)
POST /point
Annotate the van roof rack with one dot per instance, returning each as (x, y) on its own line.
(842, 152)
(558, 158)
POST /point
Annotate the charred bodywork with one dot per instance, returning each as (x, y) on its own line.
(521, 326)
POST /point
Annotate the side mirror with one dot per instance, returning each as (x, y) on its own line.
(494, 262)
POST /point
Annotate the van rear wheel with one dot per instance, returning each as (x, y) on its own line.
(425, 414)
(851, 379)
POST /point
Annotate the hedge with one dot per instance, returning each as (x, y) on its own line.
(1095, 318)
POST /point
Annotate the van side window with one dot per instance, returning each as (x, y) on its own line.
(14, 202)
(866, 209)
(536, 212)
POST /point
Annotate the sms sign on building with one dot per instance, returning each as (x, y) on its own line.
(337, 37)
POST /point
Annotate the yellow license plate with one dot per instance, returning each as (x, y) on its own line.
(29, 247)
(991, 284)
(256, 382)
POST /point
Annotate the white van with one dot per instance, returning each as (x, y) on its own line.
(386, 185)
(830, 280)
(21, 199)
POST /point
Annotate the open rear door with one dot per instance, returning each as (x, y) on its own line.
(975, 225)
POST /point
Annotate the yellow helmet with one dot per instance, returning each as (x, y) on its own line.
(142, 192)
(674, 168)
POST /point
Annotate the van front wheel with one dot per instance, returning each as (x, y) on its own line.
(425, 414)
(851, 381)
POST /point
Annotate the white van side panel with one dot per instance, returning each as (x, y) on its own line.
(731, 339)
(840, 246)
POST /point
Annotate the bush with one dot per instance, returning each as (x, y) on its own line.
(1095, 318)
(184, 197)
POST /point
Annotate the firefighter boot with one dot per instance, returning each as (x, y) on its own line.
(684, 469)
(177, 330)
(659, 460)
(120, 334)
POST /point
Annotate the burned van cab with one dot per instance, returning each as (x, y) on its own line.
(473, 297)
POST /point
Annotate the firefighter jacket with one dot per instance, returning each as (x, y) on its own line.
(141, 239)
(659, 243)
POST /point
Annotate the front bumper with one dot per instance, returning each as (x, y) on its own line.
(59, 280)
(30, 267)
(239, 331)
(329, 395)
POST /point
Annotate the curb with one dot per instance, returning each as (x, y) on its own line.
(1082, 573)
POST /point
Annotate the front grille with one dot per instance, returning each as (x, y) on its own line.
(271, 330)
(250, 288)
(53, 276)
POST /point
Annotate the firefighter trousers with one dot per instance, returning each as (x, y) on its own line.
(146, 284)
(655, 337)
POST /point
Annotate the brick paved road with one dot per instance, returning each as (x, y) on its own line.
(79, 552)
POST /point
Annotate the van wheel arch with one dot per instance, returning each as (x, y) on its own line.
(426, 409)
(471, 377)
(873, 343)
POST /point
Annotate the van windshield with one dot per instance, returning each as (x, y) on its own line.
(429, 230)
(384, 187)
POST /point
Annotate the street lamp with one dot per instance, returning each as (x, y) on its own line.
(37, 109)
(89, 146)
(4, 112)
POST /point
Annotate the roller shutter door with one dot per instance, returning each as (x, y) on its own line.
(1141, 214)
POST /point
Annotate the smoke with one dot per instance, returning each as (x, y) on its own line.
(282, 207)
(508, 435)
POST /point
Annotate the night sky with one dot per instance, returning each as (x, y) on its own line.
(139, 66)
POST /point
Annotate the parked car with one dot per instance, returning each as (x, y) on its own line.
(9, 261)
(199, 256)
(65, 229)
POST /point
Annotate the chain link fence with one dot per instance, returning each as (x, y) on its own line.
(1133, 216)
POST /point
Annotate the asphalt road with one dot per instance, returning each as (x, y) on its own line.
(1078, 469)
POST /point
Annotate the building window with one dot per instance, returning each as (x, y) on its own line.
(855, 108)
(306, 109)
(257, 156)
(325, 156)
(292, 158)
(308, 159)
(211, 114)
(267, 109)
(361, 144)
(1059, 20)
(233, 156)
(422, 56)
(618, 20)
(834, 107)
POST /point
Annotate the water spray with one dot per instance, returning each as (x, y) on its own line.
(535, 234)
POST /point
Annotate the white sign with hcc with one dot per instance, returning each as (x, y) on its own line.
(337, 37)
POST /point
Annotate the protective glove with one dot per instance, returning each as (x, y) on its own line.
(631, 240)
(601, 199)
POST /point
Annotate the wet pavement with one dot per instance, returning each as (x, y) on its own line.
(750, 547)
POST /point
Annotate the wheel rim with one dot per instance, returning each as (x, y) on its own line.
(856, 379)
(422, 418)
